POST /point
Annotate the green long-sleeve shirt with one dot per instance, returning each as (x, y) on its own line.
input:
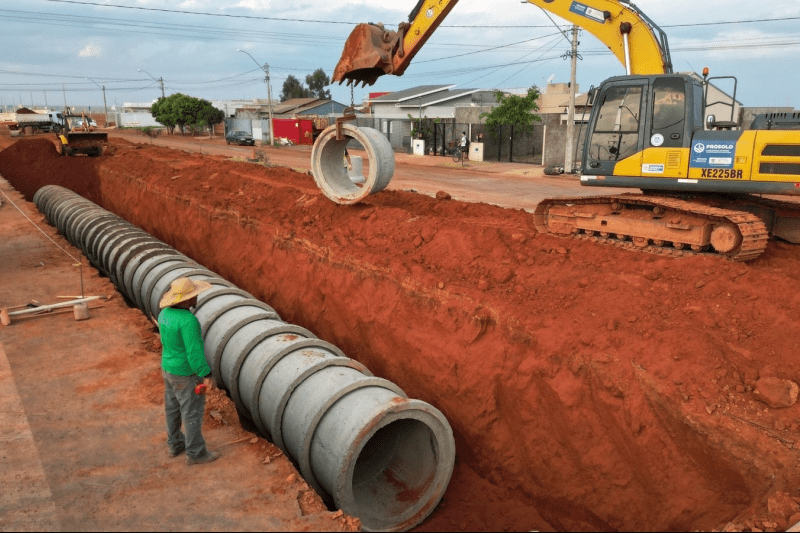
(182, 353)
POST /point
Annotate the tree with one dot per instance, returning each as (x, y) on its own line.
(317, 81)
(422, 128)
(182, 110)
(163, 112)
(208, 116)
(292, 88)
(513, 110)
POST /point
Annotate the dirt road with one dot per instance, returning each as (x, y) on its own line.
(515, 185)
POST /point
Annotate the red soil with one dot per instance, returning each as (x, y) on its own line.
(588, 387)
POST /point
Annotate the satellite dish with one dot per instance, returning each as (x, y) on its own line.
(551, 78)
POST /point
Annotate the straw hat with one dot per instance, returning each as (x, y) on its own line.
(182, 289)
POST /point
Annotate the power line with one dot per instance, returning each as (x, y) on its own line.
(253, 17)
(487, 49)
(184, 12)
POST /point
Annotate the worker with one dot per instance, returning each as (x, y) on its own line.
(464, 142)
(184, 368)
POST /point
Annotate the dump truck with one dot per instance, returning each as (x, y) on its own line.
(38, 122)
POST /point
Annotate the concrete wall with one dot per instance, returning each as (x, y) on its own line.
(135, 120)
(471, 115)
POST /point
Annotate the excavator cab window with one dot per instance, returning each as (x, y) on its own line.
(616, 130)
(669, 112)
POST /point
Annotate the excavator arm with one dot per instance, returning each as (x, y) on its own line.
(372, 51)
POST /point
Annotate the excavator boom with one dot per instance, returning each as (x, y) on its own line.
(372, 51)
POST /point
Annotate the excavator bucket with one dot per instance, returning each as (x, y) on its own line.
(367, 55)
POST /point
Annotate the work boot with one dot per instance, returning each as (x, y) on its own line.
(176, 453)
(206, 457)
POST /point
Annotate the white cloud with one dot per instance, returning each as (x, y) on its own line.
(91, 50)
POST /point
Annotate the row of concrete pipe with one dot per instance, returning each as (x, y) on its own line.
(357, 439)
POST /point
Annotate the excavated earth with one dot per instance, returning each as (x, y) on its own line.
(588, 387)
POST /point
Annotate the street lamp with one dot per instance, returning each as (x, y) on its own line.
(269, 93)
(105, 107)
(159, 80)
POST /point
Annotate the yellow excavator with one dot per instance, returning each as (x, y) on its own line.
(703, 181)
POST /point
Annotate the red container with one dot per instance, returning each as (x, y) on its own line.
(299, 131)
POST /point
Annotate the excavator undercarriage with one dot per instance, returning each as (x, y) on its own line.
(670, 226)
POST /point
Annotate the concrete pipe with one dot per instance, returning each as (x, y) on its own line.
(47, 197)
(312, 398)
(100, 243)
(356, 438)
(57, 213)
(144, 268)
(289, 367)
(100, 231)
(130, 255)
(242, 349)
(386, 459)
(260, 348)
(219, 320)
(83, 226)
(135, 263)
(330, 172)
(122, 253)
(169, 275)
(152, 277)
(113, 246)
(80, 220)
(70, 210)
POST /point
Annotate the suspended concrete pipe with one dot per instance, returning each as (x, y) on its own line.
(357, 439)
(330, 172)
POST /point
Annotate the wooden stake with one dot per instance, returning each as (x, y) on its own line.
(56, 306)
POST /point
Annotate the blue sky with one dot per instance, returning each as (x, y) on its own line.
(51, 46)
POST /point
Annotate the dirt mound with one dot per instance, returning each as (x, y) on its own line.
(603, 388)
(37, 162)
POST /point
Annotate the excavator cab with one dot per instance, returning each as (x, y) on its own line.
(642, 125)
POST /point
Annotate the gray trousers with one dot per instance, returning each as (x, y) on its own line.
(181, 403)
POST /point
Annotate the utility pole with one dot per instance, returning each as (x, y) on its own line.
(105, 107)
(569, 156)
(265, 67)
(269, 97)
(64, 90)
(160, 81)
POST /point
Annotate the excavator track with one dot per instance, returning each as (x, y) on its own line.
(655, 224)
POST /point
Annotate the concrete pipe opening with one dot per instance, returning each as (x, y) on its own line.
(401, 473)
(331, 173)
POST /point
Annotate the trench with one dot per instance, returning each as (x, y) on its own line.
(566, 415)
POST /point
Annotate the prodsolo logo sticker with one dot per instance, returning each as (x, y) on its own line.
(586, 11)
(713, 154)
